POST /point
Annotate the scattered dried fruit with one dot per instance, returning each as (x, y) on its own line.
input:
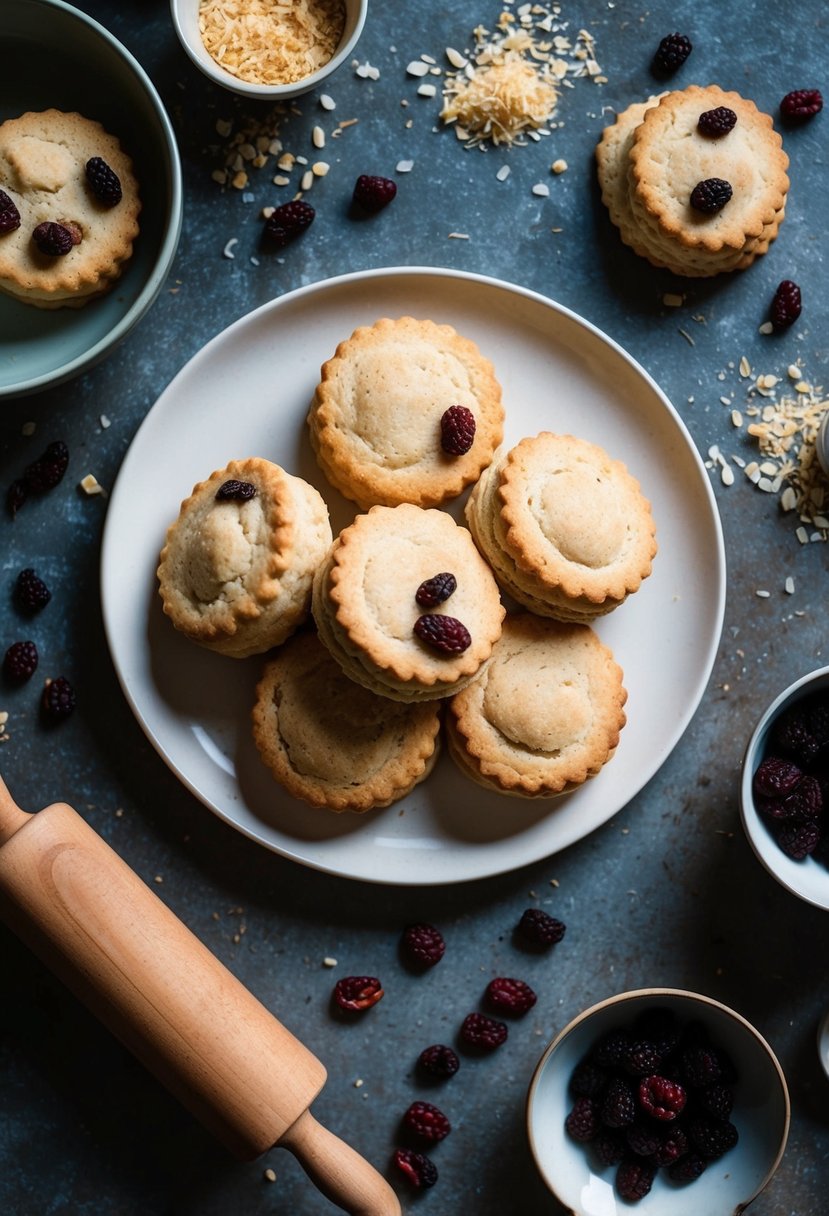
(53, 239)
(688, 1168)
(789, 786)
(583, 1122)
(799, 840)
(634, 1179)
(786, 305)
(423, 944)
(357, 992)
(441, 632)
(427, 1121)
(801, 104)
(662, 1098)
(643, 1058)
(718, 122)
(485, 1033)
(439, 1061)
(700, 1065)
(436, 590)
(288, 221)
(9, 215)
(48, 471)
(716, 1100)
(373, 193)
(653, 1122)
(417, 1167)
(776, 778)
(58, 699)
(235, 491)
(619, 1105)
(673, 1145)
(510, 996)
(20, 662)
(671, 53)
(539, 927)
(457, 430)
(712, 1138)
(30, 592)
(710, 195)
(103, 181)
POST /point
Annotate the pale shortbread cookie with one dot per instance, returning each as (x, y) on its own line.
(235, 573)
(375, 418)
(564, 526)
(42, 169)
(544, 716)
(333, 743)
(612, 158)
(639, 229)
(365, 608)
(652, 157)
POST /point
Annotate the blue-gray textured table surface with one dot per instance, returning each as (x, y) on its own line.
(666, 893)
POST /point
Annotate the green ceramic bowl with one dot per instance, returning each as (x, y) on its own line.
(55, 56)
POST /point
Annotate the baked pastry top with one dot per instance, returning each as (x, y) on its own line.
(669, 156)
(235, 573)
(330, 741)
(545, 715)
(43, 158)
(375, 421)
(651, 159)
(565, 526)
(365, 604)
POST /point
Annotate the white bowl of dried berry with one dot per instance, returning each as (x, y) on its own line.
(266, 51)
(661, 1098)
(784, 790)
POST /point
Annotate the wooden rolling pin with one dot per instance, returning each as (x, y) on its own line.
(159, 989)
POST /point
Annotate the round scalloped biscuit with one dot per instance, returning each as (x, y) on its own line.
(669, 156)
(566, 526)
(235, 575)
(332, 743)
(365, 607)
(375, 419)
(545, 715)
(612, 159)
(640, 230)
(42, 169)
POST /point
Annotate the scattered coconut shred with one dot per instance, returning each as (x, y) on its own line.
(508, 88)
(785, 428)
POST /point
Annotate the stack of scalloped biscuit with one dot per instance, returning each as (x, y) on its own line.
(42, 170)
(544, 716)
(564, 526)
(365, 608)
(652, 157)
(236, 570)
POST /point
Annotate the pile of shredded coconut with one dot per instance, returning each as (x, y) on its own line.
(784, 422)
(508, 87)
(271, 41)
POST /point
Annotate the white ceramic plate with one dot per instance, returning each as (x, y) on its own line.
(246, 393)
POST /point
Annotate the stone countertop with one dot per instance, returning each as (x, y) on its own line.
(668, 892)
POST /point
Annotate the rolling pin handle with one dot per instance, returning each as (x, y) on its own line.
(339, 1171)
